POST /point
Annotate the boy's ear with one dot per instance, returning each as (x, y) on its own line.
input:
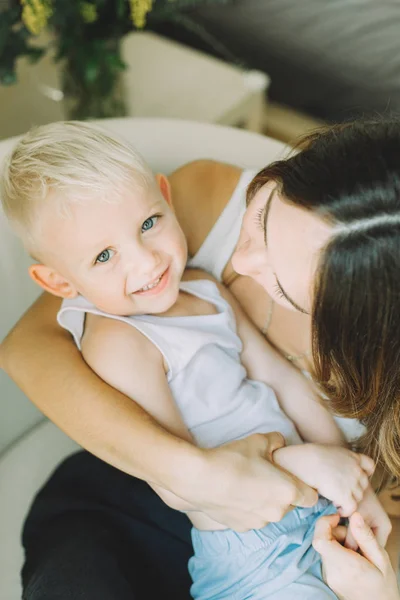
(52, 282)
(165, 187)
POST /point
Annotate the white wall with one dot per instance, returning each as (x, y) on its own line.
(24, 104)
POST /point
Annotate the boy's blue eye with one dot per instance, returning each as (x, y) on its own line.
(149, 223)
(104, 256)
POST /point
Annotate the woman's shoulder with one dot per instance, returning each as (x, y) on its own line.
(205, 166)
(200, 191)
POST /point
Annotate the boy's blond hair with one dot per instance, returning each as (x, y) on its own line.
(75, 160)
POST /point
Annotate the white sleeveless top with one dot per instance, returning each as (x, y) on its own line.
(220, 243)
(208, 382)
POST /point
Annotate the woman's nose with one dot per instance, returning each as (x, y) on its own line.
(249, 258)
(243, 241)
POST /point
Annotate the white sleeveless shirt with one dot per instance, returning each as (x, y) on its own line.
(220, 243)
(217, 401)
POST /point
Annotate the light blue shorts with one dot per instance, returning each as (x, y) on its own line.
(277, 562)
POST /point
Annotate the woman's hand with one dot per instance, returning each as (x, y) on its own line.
(352, 576)
(374, 516)
(240, 487)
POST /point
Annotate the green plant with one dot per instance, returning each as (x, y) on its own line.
(85, 36)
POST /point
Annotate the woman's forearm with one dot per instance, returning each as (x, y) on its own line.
(105, 422)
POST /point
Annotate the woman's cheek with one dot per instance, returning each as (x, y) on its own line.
(268, 282)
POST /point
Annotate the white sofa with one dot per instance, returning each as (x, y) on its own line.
(31, 447)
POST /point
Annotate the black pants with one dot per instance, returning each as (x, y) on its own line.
(94, 533)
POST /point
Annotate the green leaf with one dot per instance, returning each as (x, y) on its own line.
(120, 8)
(115, 61)
(91, 70)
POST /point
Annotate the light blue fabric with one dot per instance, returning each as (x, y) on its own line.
(277, 562)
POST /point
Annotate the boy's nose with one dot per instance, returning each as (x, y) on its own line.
(143, 269)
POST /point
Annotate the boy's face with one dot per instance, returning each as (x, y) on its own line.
(126, 258)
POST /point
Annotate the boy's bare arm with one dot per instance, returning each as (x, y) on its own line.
(129, 362)
(295, 393)
(296, 396)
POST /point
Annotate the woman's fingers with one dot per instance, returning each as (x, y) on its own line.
(271, 442)
(367, 542)
(339, 533)
(324, 529)
(349, 541)
(382, 530)
(375, 516)
(327, 530)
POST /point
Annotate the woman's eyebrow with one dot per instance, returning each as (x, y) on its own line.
(288, 298)
(266, 213)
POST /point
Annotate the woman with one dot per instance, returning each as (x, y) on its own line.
(324, 293)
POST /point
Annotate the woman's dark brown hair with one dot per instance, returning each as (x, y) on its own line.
(350, 176)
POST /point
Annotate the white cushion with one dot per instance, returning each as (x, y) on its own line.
(23, 470)
(25, 466)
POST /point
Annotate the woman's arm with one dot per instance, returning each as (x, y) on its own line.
(58, 381)
(236, 484)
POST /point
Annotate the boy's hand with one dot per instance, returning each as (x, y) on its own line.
(375, 517)
(238, 485)
(339, 474)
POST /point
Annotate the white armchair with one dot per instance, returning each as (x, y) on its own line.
(30, 446)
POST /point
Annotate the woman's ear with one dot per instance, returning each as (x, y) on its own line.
(165, 187)
(52, 282)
